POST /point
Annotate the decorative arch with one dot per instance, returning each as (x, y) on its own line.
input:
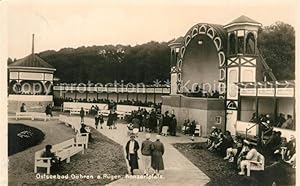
(216, 37)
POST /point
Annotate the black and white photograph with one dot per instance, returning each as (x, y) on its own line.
(142, 93)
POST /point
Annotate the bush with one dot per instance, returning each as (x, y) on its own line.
(21, 137)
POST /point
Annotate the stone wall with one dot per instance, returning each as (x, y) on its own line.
(203, 110)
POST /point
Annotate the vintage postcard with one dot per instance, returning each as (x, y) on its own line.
(148, 92)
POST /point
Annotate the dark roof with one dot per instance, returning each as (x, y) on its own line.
(176, 41)
(32, 60)
(243, 19)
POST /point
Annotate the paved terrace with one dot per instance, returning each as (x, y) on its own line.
(178, 169)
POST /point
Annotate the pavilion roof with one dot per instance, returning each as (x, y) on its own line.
(243, 19)
(31, 60)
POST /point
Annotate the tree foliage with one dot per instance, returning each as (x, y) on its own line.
(277, 44)
(106, 64)
(150, 61)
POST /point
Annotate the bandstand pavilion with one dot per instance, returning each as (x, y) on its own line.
(30, 82)
(234, 79)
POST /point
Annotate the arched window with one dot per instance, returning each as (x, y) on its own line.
(232, 44)
(173, 58)
(250, 43)
(241, 44)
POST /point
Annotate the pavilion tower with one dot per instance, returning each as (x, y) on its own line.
(30, 82)
(175, 47)
(242, 60)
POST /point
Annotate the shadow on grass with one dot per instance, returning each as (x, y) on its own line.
(21, 137)
(224, 173)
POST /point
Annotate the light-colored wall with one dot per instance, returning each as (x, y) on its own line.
(247, 108)
(203, 111)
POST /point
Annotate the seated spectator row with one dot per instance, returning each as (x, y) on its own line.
(58, 101)
(270, 121)
(243, 153)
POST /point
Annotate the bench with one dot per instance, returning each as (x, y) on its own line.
(121, 114)
(32, 115)
(77, 111)
(198, 130)
(63, 151)
(258, 165)
(104, 112)
(67, 106)
(82, 139)
(70, 122)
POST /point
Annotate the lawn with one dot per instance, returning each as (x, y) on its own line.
(224, 173)
(103, 156)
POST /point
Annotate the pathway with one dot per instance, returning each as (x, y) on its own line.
(178, 169)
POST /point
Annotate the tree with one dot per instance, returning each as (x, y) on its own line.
(277, 44)
(9, 61)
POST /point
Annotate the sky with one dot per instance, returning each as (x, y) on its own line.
(60, 24)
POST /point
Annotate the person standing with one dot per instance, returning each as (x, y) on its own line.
(101, 119)
(82, 114)
(48, 110)
(157, 152)
(166, 120)
(97, 120)
(23, 108)
(132, 148)
(173, 125)
(115, 118)
(146, 152)
(110, 120)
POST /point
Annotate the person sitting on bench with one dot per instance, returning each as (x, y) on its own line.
(250, 156)
(55, 163)
(84, 130)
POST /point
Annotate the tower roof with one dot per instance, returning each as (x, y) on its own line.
(176, 41)
(242, 20)
(31, 60)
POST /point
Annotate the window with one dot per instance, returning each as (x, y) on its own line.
(240, 44)
(232, 44)
(250, 44)
(218, 119)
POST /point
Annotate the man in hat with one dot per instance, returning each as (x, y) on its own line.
(157, 153)
(146, 152)
(132, 148)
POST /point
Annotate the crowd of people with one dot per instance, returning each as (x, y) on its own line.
(269, 122)
(58, 101)
(240, 151)
(153, 121)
